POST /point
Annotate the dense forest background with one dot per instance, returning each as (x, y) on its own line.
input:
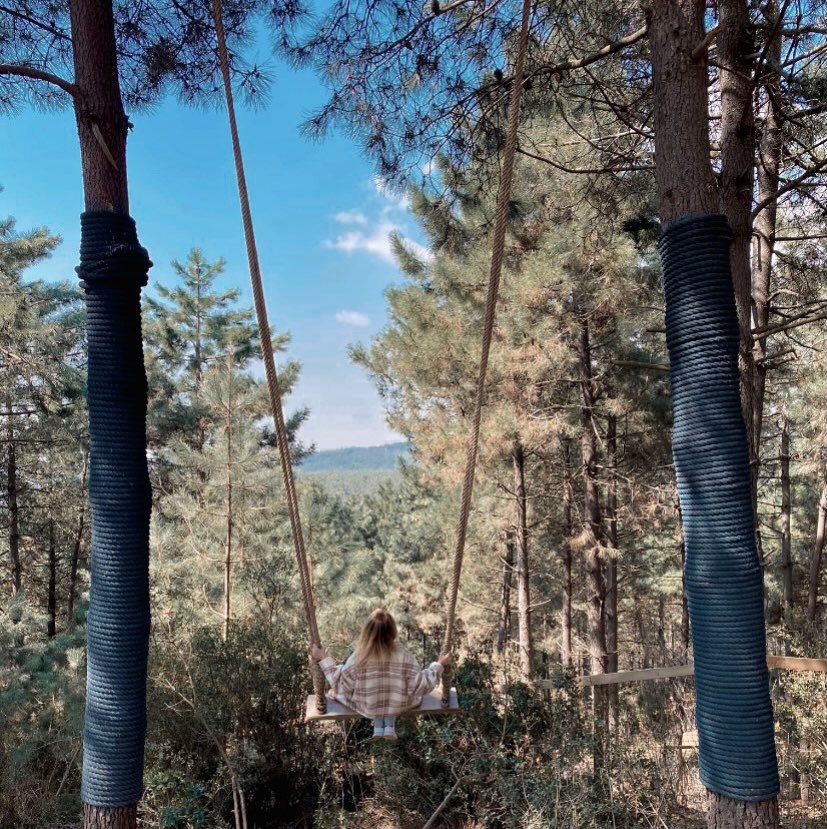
(575, 550)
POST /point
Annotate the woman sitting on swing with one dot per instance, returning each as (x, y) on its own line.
(381, 679)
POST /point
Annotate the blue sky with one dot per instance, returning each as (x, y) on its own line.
(321, 222)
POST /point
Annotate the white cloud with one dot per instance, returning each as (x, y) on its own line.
(354, 318)
(376, 241)
(351, 217)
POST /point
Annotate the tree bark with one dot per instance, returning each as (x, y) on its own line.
(821, 531)
(566, 655)
(14, 511)
(685, 183)
(522, 568)
(110, 817)
(686, 187)
(51, 625)
(611, 570)
(763, 246)
(505, 593)
(228, 543)
(732, 814)
(685, 638)
(815, 558)
(736, 67)
(786, 540)
(595, 586)
(76, 548)
(101, 121)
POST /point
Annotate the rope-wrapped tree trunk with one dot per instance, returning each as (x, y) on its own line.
(268, 358)
(723, 578)
(113, 269)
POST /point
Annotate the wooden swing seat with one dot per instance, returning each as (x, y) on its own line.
(431, 704)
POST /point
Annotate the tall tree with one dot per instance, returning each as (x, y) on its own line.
(687, 188)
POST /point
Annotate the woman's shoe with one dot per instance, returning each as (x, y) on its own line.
(390, 733)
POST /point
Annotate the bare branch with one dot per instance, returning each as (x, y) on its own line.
(700, 50)
(791, 185)
(39, 75)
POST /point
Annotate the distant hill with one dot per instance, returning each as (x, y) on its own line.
(356, 459)
(355, 471)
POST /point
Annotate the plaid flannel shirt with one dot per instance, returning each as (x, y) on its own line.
(381, 689)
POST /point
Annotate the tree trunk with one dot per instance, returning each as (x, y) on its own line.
(14, 512)
(110, 817)
(786, 540)
(685, 639)
(593, 533)
(76, 548)
(732, 814)
(815, 558)
(228, 543)
(686, 187)
(821, 530)
(591, 505)
(51, 626)
(611, 570)
(736, 64)
(768, 173)
(505, 593)
(522, 570)
(120, 496)
(566, 656)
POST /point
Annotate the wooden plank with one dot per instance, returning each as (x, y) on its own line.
(786, 663)
(431, 705)
(797, 663)
(644, 675)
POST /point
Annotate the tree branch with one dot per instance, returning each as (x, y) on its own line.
(39, 75)
(791, 185)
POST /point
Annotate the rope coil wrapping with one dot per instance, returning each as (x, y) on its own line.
(113, 269)
(723, 576)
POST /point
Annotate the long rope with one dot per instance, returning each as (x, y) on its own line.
(266, 343)
(503, 200)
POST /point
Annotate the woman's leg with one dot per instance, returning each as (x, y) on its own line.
(378, 727)
(390, 728)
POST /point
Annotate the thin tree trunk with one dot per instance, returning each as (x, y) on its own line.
(14, 511)
(786, 540)
(593, 533)
(505, 593)
(51, 627)
(684, 603)
(228, 544)
(821, 531)
(76, 548)
(815, 558)
(763, 230)
(611, 569)
(522, 568)
(736, 66)
(686, 187)
(566, 656)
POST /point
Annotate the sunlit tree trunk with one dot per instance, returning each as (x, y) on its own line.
(522, 569)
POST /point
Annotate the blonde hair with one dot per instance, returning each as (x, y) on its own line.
(377, 641)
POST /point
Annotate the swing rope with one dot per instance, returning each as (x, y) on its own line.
(266, 344)
(503, 201)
